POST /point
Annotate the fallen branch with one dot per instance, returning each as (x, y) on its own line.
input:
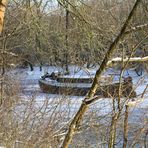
(7, 64)
(134, 59)
(9, 53)
(137, 28)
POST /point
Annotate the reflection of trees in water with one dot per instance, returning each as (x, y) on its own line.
(140, 67)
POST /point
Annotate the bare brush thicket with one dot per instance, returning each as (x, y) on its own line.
(108, 33)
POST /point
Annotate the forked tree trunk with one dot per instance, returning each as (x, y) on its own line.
(84, 106)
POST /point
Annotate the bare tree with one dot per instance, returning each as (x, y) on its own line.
(90, 97)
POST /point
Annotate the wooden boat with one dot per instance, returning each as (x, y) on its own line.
(59, 78)
(63, 86)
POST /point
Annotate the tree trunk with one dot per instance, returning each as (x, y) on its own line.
(3, 4)
(125, 126)
(66, 39)
(112, 134)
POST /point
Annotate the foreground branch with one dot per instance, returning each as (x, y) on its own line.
(83, 108)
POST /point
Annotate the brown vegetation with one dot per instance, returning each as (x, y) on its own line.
(88, 34)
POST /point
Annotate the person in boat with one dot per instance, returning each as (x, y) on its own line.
(53, 75)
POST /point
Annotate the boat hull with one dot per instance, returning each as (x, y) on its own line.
(110, 90)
